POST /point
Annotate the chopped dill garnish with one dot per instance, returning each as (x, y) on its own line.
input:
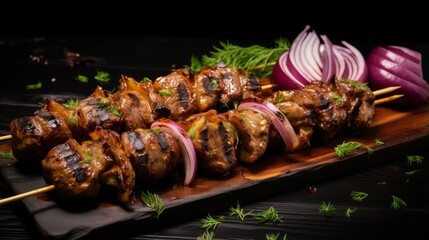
(397, 202)
(378, 142)
(414, 159)
(270, 214)
(337, 98)
(347, 148)
(272, 236)
(71, 103)
(35, 86)
(210, 224)
(102, 76)
(6, 155)
(239, 212)
(327, 209)
(82, 78)
(412, 172)
(165, 92)
(72, 121)
(102, 103)
(207, 235)
(358, 196)
(350, 211)
(257, 60)
(153, 201)
(87, 158)
(145, 79)
(359, 85)
(115, 111)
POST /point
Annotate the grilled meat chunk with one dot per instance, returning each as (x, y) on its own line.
(153, 153)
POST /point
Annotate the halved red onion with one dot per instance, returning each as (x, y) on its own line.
(308, 60)
(187, 148)
(276, 117)
(389, 67)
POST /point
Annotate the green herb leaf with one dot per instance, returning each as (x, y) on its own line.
(72, 121)
(145, 79)
(272, 236)
(397, 202)
(350, 211)
(35, 86)
(358, 85)
(358, 196)
(257, 60)
(6, 155)
(102, 76)
(412, 172)
(207, 235)
(414, 159)
(153, 201)
(239, 212)
(270, 214)
(115, 111)
(87, 158)
(210, 224)
(337, 98)
(327, 209)
(82, 78)
(378, 142)
(347, 148)
(71, 103)
(165, 92)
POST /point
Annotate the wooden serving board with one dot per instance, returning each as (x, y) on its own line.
(402, 131)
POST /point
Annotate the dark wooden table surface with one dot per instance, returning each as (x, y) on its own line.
(30, 60)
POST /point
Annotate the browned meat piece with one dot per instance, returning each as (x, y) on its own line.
(206, 88)
(153, 153)
(215, 140)
(27, 139)
(176, 89)
(55, 129)
(251, 87)
(74, 170)
(230, 85)
(253, 129)
(360, 104)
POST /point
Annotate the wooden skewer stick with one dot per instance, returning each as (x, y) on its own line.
(385, 90)
(6, 137)
(387, 99)
(27, 194)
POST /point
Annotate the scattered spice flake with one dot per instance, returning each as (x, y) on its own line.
(397, 203)
(35, 86)
(82, 78)
(350, 211)
(414, 159)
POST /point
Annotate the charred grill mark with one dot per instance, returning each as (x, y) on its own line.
(46, 115)
(50, 120)
(135, 99)
(136, 141)
(208, 86)
(226, 75)
(160, 138)
(160, 110)
(142, 159)
(227, 148)
(182, 89)
(253, 83)
(26, 125)
(205, 138)
(73, 161)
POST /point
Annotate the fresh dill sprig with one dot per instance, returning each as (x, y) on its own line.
(165, 92)
(358, 196)
(72, 121)
(210, 224)
(239, 212)
(87, 158)
(102, 76)
(359, 85)
(347, 148)
(257, 60)
(207, 235)
(6, 155)
(378, 142)
(270, 214)
(337, 98)
(145, 79)
(397, 202)
(82, 78)
(71, 103)
(350, 211)
(35, 86)
(412, 172)
(272, 236)
(414, 159)
(153, 201)
(327, 209)
(115, 111)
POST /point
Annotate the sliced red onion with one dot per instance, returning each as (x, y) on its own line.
(388, 68)
(187, 148)
(308, 60)
(276, 117)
